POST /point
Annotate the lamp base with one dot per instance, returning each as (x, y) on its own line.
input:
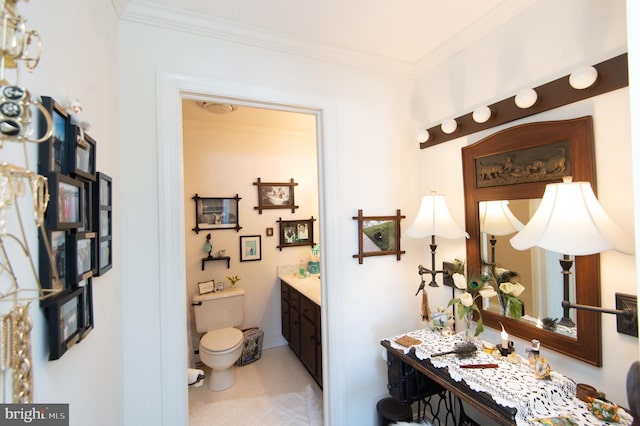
(567, 322)
(505, 351)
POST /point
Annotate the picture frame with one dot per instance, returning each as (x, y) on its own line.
(296, 233)
(378, 236)
(250, 248)
(215, 213)
(82, 257)
(205, 287)
(81, 154)
(52, 154)
(65, 208)
(65, 319)
(103, 222)
(275, 195)
(87, 204)
(87, 308)
(57, 241)
(269, 232)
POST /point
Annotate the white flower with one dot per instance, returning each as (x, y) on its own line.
(466, 299)
(517, 289)
(487, 291)
(459, 281)
(506, 288)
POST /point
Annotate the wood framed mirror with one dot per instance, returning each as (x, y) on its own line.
(515, 164)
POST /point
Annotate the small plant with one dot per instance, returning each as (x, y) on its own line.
(233, 280)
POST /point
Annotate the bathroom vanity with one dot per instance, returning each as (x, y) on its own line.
(301, 319)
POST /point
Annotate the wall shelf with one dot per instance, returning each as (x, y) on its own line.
(207, 259)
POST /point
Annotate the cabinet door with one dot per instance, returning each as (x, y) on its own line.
(286, 320)
(318, 347)
(308, 345)
(294, 321)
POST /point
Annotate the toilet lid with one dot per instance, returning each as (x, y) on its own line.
(222, 339)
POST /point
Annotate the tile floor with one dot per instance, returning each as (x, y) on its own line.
(277, 371)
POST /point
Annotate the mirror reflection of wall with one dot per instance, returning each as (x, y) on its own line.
(538, 270)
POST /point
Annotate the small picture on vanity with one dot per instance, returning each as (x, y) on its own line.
(205, 287)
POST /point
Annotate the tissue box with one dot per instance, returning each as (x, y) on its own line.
(251, 347)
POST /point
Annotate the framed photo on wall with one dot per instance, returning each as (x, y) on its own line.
(87, 308)
(102, 215)
(250, 248)
(275, 195)
(214, 213)
(56, 265)
(65, 317)
(81, 155)
(65, 208)
(296, 233)
(52, 154)
(378, 236)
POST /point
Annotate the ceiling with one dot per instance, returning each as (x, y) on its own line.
(401, 31)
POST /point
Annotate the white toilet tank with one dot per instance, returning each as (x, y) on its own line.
(219, 309)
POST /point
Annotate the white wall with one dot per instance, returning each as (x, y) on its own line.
(79, 59)
(368, 155)
(547, 42)
(224, 156)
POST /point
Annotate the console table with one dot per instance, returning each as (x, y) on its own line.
(508, 395)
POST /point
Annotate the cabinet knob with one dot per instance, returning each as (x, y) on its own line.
(389, 363)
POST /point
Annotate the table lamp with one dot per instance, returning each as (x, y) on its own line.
(496, 219)
(571, 221)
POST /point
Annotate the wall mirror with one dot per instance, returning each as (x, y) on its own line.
(512, 168)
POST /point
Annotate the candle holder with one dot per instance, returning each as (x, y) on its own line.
(505, 351)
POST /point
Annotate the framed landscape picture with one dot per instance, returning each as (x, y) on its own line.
(378, 236)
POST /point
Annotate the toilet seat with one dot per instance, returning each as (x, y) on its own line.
(221, 341)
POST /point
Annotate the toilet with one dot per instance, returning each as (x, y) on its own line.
(216, 314)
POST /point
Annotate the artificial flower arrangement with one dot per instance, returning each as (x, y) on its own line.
(508, 292)
(473, 288)
(233, 280)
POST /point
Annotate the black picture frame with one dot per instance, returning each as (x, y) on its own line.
(52, 154)
(81, 154)
(57, 240)
(275, 195)
(295, 233)
(65, 319)
(82, 257)
(378, 236)
(65, 208)
(250, 248)
(216, 213)
(87, 308)
(87, 207)
(103, 221)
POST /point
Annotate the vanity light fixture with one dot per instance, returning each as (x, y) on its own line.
(570, 220)
(481, 114)
(526, 98)
(422, 135)
(583, 77)
(449, 126)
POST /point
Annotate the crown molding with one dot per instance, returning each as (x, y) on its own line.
(181, 20)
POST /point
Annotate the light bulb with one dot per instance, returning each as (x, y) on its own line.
(481, 114)
(449, 126)
(583, 77)
(526, 98)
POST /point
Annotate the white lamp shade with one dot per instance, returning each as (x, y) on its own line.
(570, 221)
(434, 218)
(496, 218)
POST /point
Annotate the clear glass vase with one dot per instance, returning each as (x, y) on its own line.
(468, 329)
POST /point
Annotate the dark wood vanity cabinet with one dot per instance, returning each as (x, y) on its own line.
(301, 328)
(405, 384)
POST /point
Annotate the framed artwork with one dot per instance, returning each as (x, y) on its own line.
(56, 264)
(269, 232)
(87, 307)
(250, 248)
(87, 206)
(52, 154)
(205, 287)
(296, 233)
(81, 155)
(102, 215)
(378, 236)
(65, 317)
(216, 213)
(82, 256)
(275, 195)
(65, 208)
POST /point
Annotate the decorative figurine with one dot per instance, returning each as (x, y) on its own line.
(207, 245)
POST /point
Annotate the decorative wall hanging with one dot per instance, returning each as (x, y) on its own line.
(275, 195)
(296, 233)
(65, 316)
(215, 213)
(250, 248)
(378, 236)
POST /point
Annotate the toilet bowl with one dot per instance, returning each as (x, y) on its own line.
(219, 350)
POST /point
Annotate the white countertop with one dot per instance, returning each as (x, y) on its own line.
(309, 286)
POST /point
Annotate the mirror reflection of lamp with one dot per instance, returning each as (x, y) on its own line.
(496, 219)
(434, 219)
(570, 220)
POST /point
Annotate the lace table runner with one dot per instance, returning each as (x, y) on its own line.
(512, 384)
